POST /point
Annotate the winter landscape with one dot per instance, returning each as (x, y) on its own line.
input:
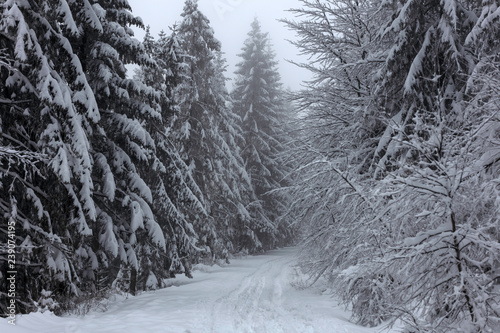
(174, 183)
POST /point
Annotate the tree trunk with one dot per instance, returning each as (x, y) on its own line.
(133, 281)
(458, 255)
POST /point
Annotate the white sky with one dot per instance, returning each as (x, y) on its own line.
(231, 21)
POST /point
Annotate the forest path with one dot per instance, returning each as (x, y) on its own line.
(253, 294)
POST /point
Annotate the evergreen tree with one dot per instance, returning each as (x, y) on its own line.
(47, 110)
(180, 196)
(126, 224)
(73, 105)
(258, 101)
(203, 131)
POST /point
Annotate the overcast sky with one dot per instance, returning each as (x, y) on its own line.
(231, 21)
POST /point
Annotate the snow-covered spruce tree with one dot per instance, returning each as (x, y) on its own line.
(128, 242)
(232, 207)
(203, 132)
(150, 75)
(47, 108)
(434, 225)
(258, 101)
(181, 198)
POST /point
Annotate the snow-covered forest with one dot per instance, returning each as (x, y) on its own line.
(384, 169)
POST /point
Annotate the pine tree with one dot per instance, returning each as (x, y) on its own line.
(258, 101)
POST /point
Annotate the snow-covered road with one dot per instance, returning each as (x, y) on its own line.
(254, 294)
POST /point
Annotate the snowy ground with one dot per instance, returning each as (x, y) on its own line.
(253, 294)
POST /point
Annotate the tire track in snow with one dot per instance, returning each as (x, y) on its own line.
(256, 305)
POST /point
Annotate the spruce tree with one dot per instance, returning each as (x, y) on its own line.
(47, 109)
(258, 101)
(179, 195)
(125, 147)
(203, 132)
(83, 133)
